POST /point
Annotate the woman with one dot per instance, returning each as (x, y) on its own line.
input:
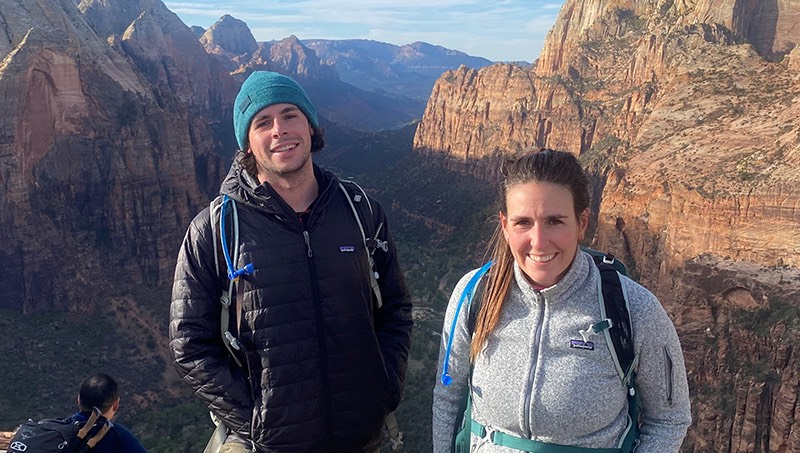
(528, 379)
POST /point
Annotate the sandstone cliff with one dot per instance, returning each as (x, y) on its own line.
(231, 41)
(165, 51)
(229, 34)
(686, 113)
(111, 140)
(290, 55)
(106, 148)
(645, 90)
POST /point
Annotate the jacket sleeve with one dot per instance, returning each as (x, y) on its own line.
(199, 354)
(661, 378)
(447, 399)
(393, 322)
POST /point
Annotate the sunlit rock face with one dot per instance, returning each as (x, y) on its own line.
(686, 115)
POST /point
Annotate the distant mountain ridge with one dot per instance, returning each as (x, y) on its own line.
(396, 80)
(409, 70)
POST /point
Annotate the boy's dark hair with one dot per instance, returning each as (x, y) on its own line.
(99, 390)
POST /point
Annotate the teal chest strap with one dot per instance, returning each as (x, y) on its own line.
(529, 445)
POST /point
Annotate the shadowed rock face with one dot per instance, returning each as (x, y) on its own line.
(685, 112)
(639, 91)
(107, 147)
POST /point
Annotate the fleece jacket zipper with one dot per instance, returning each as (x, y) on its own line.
(526, 408)
(668, 375)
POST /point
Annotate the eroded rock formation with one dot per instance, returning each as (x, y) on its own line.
(229, 35)
(107, 147)
(686, 112)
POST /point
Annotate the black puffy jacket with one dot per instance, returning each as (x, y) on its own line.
(323, 365)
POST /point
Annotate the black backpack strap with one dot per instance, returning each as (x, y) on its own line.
(475, 304)
(620, 334)
(616, 310)
(606, 258)
(362, 211)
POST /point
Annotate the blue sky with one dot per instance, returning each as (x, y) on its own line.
(501, 30)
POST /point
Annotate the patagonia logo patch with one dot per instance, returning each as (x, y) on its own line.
(347, 248)
(580, 344)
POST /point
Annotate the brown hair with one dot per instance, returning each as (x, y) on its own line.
(540, 165)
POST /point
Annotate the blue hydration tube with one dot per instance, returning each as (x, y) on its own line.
(467, 294)
(233, 274)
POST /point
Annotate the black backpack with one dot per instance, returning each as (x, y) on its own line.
(59, 435)
(617, 323)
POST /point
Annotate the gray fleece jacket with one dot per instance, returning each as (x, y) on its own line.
(528, 382)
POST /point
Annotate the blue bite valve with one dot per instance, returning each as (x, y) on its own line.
(247, 269)
(446, 379)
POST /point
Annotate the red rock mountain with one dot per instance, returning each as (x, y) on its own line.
(687, 114)
(107, 132)
(114, 119)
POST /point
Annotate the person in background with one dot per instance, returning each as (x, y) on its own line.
(101, 391)
(323, 362)
(527, 382)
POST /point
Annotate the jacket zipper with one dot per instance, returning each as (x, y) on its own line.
(323, 347)
(668, 375)
(308, 243)
(534, 365)
(319, 322)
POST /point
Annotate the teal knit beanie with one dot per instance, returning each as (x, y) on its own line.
(262, 89)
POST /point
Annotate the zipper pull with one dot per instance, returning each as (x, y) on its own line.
(308, 243)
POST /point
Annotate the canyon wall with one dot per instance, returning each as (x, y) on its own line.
(107, 148)
(686, 115)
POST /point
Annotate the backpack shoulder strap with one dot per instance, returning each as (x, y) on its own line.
(83, 433)
(476, 299)
(606, 258)
(615, 311)
(614, 308)
(214, 215)
(473, 296)
(362, 211)
(220, 209)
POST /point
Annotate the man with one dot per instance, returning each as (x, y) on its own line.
(323, 359)
(101, 391)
